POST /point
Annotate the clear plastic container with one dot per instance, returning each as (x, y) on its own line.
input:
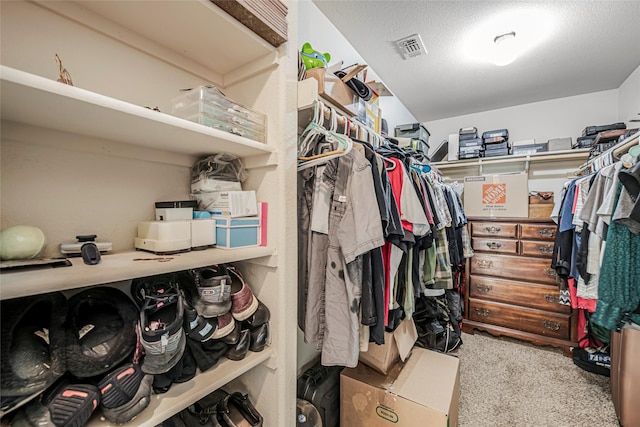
(214, 110)
(203, 99)
(227, 126)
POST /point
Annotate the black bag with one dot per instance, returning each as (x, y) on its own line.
(437, 328)
(320, 385)
(596, 360)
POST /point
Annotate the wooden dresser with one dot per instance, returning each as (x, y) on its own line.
(511, 288)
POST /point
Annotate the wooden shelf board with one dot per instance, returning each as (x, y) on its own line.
(116, 267)
(37, 101)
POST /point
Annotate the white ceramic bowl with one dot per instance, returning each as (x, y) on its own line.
(21, 242)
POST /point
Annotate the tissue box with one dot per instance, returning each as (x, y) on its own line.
(230, 203)
(237, 232)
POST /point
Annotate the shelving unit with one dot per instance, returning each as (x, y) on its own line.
(92, 159)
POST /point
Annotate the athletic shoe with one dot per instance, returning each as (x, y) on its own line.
(196, 327)
(226, 325)
(161, 333)
(153, 286)
(101, 331)
(32, 346)
(129, 410)
(213, 286)
(243, 303)
(120, 385)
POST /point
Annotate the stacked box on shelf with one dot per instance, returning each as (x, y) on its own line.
(413, 135)
(496, 143)
(469, 145)
(208, 106)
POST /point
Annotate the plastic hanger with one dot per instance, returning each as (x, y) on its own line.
(343, 143)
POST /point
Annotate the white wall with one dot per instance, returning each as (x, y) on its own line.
(315, 28)
(629, 99)
(541, 121)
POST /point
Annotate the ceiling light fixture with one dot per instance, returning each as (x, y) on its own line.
(506, 49)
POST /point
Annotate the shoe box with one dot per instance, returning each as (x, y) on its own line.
(424, 390)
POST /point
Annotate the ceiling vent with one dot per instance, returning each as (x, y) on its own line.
(411, 46)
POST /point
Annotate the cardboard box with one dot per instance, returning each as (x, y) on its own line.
(496, 196)
(540, 211)
(424, 391)
(397, 346)
(335, 90)
(230, 203)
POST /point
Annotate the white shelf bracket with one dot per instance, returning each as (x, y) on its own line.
(480, 165)
(526, 164)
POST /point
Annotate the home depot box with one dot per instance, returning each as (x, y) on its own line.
(397, 345)
(496, 196)
(423, 391)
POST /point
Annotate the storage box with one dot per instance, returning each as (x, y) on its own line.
(334, 89)
(234, 204)
(529, 148)
(424, 391)
(540, 211)
(496, 196)
(208, 106)
(556, 144)
(234, 233)
(412, 130)
(203, 233)
(397, 346)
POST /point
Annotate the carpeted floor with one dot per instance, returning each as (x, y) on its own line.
(507, 382)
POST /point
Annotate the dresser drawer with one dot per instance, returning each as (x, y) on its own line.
(524, 294)
(513, 267)
(494, 229)
(538, 231)
(539, 248)
(502, 246)
(523, 319)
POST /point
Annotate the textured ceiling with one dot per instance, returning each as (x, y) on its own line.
(590, 46)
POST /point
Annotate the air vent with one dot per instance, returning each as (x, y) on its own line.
(411, 46)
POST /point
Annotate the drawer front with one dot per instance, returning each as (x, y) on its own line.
(514, 267)
(502, 246)
(494, 229)
(525, 294)
(538, 231)
(539, 248)
(523, 319)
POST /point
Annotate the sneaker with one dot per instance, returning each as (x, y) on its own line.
(120, 386)
(101, 331)
(129, 410)
(161, 333)
(213, 286)
(243, 303)
(196, 327)
(226, 324)
(158, 285)
(32, 346)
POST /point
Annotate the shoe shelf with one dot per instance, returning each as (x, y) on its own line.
(37, 101)
(179, 396)
(119, 267)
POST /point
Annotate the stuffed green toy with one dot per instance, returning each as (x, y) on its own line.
(312, 58)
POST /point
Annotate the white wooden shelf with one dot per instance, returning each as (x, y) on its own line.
(116, 267)
(38, 101)
(548, 156)
(195, 35)
(181, 395)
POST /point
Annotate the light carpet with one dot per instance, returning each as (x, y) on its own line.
(508, 382)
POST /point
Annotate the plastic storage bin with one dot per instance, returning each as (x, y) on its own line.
(208, 106)
(413, 130)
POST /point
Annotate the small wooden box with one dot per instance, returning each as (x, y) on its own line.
(541, 198)
(540, 210)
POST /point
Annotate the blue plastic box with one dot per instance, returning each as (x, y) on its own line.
(234, 233)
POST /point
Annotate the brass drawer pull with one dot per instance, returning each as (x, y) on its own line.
(550, 272)
(552, 298)
(546, 232)
(552, 326)
(484, 263)
(492, 229)
(546, 249)
(484, 312)
(484, 289)
(494, 245)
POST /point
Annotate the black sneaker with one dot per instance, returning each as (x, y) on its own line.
(32, 346)
(154, 286)
(125, 393)
(161, 333)
(208, 290)
(101, 331)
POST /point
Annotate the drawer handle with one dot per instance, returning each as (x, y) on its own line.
(546, 249)
(547, 232)
(494, 245)
(493, 229)
(484, 289)
(484, 263)
(552, 298)
(484, 312)
(552, 326)
(550, 272)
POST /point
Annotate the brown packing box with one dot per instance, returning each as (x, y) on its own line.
(540, 211)
(397, 345)
(423, 391)
(496, 196)
(334, 89)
